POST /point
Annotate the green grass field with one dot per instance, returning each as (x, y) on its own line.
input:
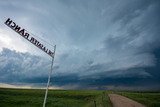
(56, 98)
(150, 99)
(70, 98)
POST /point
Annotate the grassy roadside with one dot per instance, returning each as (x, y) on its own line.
(101, 101)
(56, 98)
(150, 99)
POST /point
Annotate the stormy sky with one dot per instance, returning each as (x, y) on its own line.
(101, 44)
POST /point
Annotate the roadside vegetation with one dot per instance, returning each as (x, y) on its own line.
(56, 98)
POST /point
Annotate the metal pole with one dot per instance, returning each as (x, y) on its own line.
(95, 103)
(49, 76)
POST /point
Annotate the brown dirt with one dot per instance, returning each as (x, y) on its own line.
(121, 101)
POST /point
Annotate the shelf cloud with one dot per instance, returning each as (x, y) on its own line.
(100, 44)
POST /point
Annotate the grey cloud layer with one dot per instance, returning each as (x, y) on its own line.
(16, 66)
(96, 39)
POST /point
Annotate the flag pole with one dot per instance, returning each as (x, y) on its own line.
(49, 76)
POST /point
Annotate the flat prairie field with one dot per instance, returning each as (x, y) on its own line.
(56, 98)
(71, 98)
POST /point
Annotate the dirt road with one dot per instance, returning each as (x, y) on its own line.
(121, 101)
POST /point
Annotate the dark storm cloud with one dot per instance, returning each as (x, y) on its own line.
(16, 66)
(12, 71)
(100, 43)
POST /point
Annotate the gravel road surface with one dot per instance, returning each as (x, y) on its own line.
(121, 101)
